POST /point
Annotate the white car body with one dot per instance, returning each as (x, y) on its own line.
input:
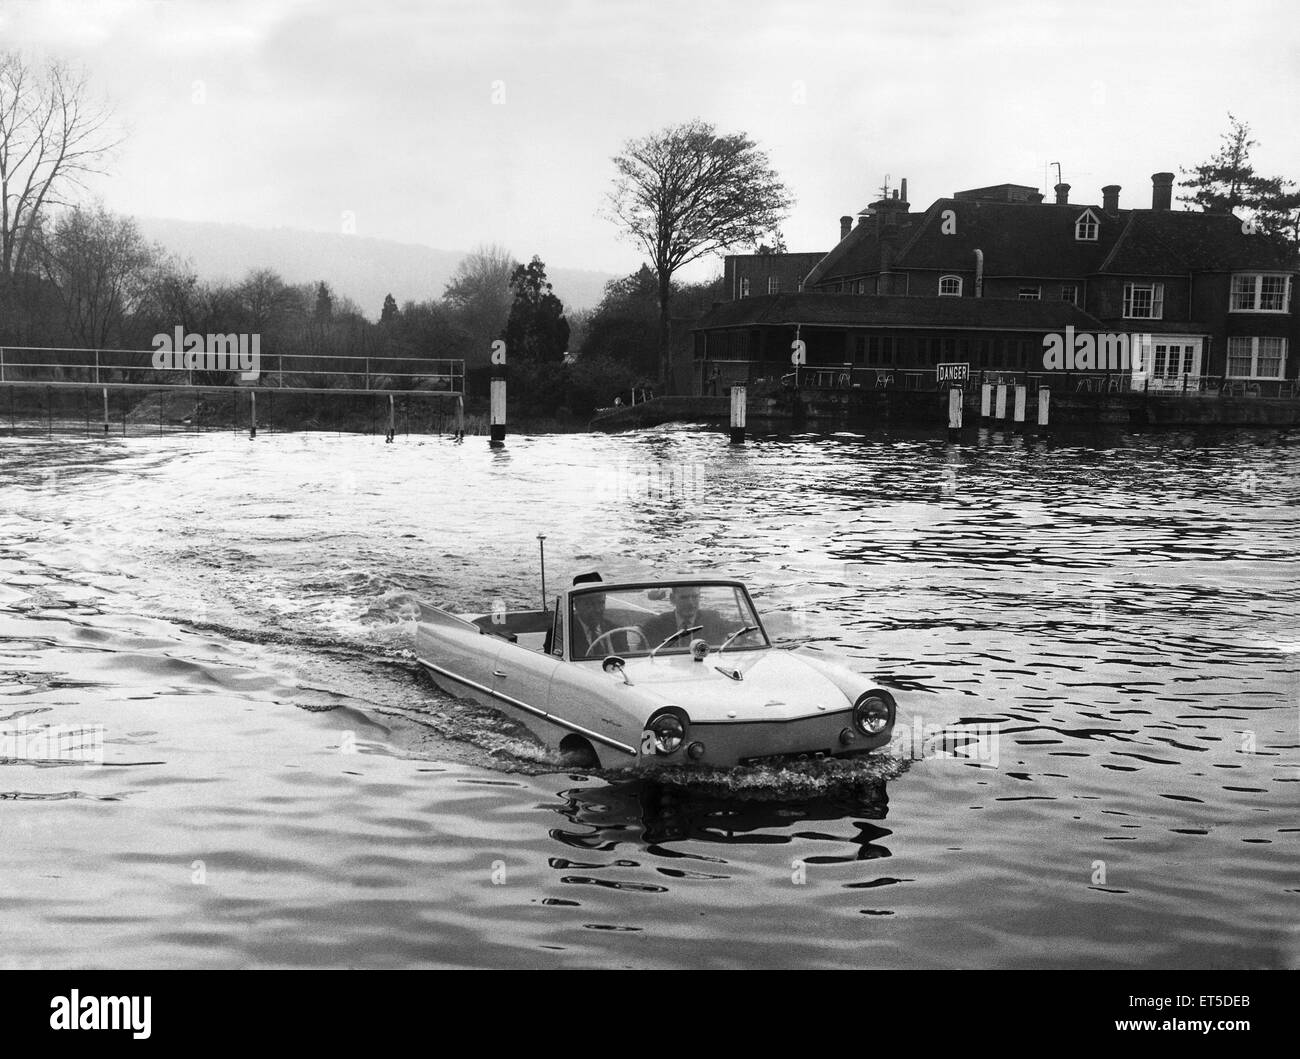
(739, 705)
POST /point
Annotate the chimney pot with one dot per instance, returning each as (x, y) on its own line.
(904, 196)
(1062, 194)
(1162, 190)
(846, 225)
(1110, 198)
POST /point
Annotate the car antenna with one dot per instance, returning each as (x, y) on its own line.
(541, 547)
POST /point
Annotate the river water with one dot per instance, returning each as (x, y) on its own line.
(281, 786)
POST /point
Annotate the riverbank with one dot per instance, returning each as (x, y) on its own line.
(853, 408)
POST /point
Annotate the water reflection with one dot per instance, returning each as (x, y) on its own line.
(675, 821)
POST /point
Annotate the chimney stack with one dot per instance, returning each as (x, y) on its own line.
(1162, 190)
(846, 224)
(904, 189)
(1110, 198)
(1062, 194)
(1035, 197)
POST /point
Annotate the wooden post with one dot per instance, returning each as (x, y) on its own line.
(497, 428)
(737, 415)
(986, 399)
(1018, 413)
(1000, 409)
(1044, 400)
(955, 398)
(392, 420)
(252, 415)
(460, 417)
(105, 397)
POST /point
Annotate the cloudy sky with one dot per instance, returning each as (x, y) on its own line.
(454, 123)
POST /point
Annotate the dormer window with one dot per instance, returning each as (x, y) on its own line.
(949, 286)
(1086, 227)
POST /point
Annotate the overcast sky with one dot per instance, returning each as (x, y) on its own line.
(294, 112)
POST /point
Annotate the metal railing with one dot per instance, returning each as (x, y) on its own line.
(1099, 383)
(134, 369)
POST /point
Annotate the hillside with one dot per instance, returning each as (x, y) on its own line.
(362, 269)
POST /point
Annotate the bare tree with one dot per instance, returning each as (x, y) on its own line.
(52, 135)
(685, 192)
(479, 298)
(102, 269)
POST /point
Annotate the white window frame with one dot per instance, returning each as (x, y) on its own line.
(1254, 341)
(1086, 223)
(1073, 288)
(1256, 293)
(950, 293)
(773, 285)
(744, 286)
(1030, 294)
(1157, 301)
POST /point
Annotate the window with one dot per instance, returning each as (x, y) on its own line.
(1085, 228)
(1256, 358)
(880, 351)
(1070, 293)
(557, 631)
(1260, 292)
(744, 288)
(950, 287)
(1171, 360)
(1144, 301)
(773, 285)
(1031, 294)
(862, 286)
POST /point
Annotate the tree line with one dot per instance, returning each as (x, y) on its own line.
(74, 274)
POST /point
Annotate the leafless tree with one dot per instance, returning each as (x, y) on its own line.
(52, 135)
(102, 269)
(685, 192)
(479, 298)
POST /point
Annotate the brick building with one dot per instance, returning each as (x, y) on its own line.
(985, 276)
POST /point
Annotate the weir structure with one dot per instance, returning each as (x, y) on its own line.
(62, 369)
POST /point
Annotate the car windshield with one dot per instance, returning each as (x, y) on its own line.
(633, 622)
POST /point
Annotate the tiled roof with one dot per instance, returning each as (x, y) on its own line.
(878, 310)
(1037, 240)
(1018, 239)
(858, 252)
(1172, 242)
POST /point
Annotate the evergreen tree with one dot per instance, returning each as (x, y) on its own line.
(536, 330)
(1228, 183)
(324, 301)
(389, 313)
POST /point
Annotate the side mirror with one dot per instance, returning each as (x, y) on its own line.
(616, 664)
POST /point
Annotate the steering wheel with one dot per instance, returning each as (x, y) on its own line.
(606, 636)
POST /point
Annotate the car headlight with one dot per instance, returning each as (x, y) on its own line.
(873, 712)
(668, 729)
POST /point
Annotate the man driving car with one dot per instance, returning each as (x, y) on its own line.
(590, 624)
